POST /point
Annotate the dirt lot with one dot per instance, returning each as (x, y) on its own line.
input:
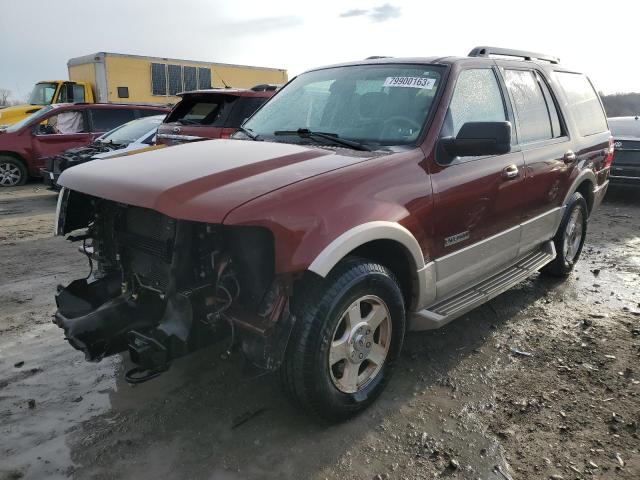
(543, 382)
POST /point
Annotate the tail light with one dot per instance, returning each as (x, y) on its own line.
(609, 158)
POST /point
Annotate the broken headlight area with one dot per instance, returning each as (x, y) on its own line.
(162, 288)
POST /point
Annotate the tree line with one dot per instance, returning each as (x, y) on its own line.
(621, 104)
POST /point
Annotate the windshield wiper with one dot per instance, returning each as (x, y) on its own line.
(249, 133)
(332, 137)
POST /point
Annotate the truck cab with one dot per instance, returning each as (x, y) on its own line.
(47, 93)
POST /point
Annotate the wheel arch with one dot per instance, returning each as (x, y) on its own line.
(585, 183)
(387, 243)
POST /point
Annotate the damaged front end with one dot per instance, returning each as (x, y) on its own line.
(161, 287)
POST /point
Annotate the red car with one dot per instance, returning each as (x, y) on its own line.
(215, 113)
(56, 128)
(363, 201)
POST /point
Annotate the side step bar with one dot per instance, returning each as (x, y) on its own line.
(441, 313)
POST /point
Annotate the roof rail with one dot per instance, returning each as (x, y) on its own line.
(486, 51)
(375, 57)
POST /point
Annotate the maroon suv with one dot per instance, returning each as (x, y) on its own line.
(363, 201)
(214, 113)
(56, 128)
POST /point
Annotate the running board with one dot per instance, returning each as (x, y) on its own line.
(441, 313)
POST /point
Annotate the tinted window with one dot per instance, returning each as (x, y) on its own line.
(243, 109)
(476, 98)
(105, 119)
(583, 103)
(202, 110)
(530, 106)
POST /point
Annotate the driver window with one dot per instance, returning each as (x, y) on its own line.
(69, 122)
(476, 98)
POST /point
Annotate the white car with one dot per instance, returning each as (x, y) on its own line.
(131, 137)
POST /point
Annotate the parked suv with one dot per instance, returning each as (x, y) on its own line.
(626, 159)
(214, 113)
(56, 128)
(364, 200)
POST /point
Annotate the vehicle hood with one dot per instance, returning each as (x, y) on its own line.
(11, 115)
(204, 181)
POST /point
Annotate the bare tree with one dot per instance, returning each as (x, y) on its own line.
(5, 95)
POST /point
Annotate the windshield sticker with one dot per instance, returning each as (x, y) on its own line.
(410, 82)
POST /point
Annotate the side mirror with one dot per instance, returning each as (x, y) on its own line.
(479, 138)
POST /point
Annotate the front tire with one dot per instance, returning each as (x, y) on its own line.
(569, 238)
(348, 334)
(12, 172)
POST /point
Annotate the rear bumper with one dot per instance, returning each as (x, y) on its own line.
(633, 181)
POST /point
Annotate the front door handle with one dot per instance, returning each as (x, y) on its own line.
(569, 157)
(510, 172)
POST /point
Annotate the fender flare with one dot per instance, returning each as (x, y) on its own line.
(423, 274)
(584, 175)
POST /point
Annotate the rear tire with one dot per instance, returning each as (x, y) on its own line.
(569, 238)
(348, 334)
(12, 172)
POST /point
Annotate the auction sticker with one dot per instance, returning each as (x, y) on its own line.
(410, 82)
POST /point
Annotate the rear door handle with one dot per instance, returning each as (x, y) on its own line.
(510, 172)
(569, 157)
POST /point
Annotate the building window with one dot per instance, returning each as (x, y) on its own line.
(190, 77)
(123, 92)
(175, 79)
(204, 78)
(158, 79)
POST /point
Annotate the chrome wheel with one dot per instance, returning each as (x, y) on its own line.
(360, 344)
(573, 233)
(10, 174)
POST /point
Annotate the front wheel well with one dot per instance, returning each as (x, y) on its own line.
(396, 258)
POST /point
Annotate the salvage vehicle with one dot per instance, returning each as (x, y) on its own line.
(625, 169)
(214, 113)
(56, 128)
(132, 137)
(362, 201)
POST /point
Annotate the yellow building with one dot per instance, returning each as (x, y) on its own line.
(122, 78)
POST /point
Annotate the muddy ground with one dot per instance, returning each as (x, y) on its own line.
(542, 382)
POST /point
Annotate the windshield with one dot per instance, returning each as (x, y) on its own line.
(372, 104)
(34, 116)
(42, 94)
(133, 130)
(625, 127)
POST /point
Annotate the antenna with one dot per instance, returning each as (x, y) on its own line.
(222, 79)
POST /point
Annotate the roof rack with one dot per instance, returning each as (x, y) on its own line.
(486, 51)
(376, 57)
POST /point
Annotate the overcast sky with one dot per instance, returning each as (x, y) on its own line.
(37, 37)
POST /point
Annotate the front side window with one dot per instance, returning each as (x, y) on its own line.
(476, 98)
(371, 104)
(532, 113)
(64, 123)
(42, 93)
(583, 103)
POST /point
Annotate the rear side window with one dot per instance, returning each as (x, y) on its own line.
(105, 119)
(477, 98)
(533, 112)
(583, 103)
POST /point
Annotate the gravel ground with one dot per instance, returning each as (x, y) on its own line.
(542, 382)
